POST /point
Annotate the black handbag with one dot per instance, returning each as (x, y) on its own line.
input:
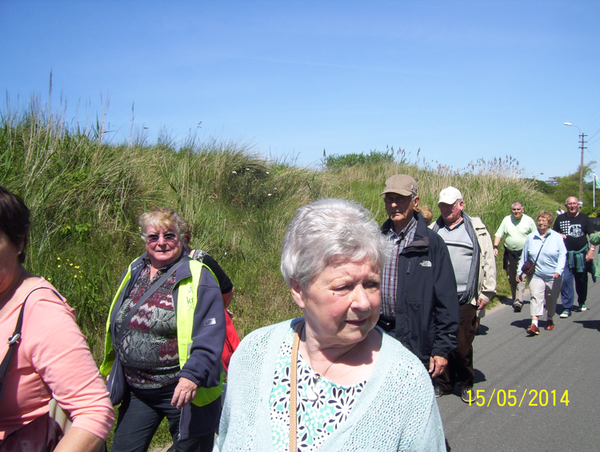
(40, 435)
(528, 267)
(116, 385)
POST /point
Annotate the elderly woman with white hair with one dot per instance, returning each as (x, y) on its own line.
(330, 381)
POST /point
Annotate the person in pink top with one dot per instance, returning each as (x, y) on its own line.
(51, 359)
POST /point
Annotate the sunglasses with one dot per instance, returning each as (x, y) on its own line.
(168, 236)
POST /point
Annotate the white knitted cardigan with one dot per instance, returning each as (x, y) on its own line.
(396, 411)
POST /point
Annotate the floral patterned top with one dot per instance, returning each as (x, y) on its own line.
(322, 405)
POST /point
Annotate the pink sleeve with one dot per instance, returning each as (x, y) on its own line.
(60, 355)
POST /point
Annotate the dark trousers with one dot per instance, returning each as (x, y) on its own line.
(460, 361)
(510, 263)
(141, 413)
(567, 295)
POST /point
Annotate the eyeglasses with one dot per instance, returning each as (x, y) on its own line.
(397, 200)
(168, 236)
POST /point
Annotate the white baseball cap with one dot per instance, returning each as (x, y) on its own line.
(450, 195)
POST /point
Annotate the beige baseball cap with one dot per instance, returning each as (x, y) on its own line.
(401, 184)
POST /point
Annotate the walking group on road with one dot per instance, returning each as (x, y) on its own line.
(553, 260)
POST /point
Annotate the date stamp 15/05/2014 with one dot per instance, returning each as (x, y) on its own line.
(520, 398)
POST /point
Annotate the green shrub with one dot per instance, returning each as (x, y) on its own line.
(335, 162)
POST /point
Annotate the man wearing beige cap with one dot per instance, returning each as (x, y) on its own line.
(419, 305)
(472, 255)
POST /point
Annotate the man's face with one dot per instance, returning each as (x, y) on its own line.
(572, 206)
(451, 213)
(517, 211)
(400, 208)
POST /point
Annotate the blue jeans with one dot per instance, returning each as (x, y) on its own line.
(141, 413)
(567, 294)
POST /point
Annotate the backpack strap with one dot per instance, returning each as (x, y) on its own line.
(149, 292)
(14, 340)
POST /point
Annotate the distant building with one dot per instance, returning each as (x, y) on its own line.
(552, 181)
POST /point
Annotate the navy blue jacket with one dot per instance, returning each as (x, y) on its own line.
(427, 309)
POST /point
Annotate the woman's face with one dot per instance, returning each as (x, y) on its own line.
(543, 224)
(163, 246)
(9, 262)
(341, 305)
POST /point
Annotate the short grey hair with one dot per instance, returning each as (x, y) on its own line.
(326, 232)
(515, 204)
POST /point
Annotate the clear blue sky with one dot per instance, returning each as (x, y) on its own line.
(461, 80)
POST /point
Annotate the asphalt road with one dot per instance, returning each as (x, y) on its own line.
(536, 370)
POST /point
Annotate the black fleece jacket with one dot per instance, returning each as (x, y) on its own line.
(427, 310)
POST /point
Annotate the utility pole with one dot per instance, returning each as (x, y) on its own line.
(582, 138)
(582, 142)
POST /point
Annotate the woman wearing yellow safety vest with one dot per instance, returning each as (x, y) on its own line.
(165, 335)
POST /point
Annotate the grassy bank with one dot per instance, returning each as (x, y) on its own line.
(85, 195)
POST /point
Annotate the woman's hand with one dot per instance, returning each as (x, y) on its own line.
(519, 278)
(556, 275)
(185, 391)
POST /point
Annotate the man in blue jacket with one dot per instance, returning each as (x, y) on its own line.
(419, 304)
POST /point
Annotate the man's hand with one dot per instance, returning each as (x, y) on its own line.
(437, 365)
(496, 243)
(481, 304)
(185, 392)
(589, 255)
(556, 275)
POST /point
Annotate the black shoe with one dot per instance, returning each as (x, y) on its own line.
(517, 307)
(466, 394)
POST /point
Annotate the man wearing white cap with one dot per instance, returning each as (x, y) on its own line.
(472, 256)
(419, 305)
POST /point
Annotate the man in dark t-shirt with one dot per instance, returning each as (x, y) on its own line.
(575, 227)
